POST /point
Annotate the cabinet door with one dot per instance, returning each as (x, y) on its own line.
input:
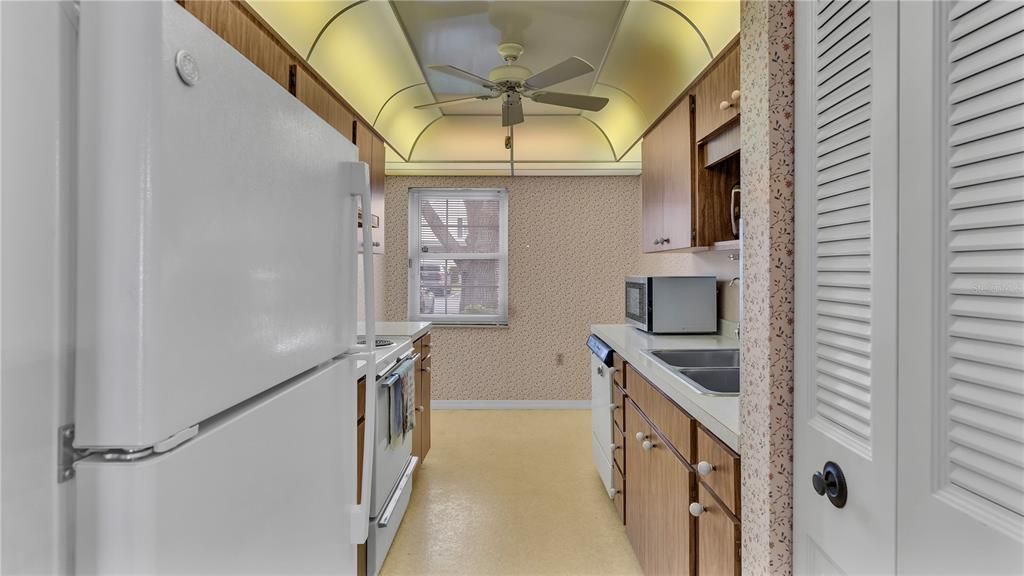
(234, 22)
(669, 531)
(371, 151)
(423, 407)
(718, 539)
(636, 484)
(677, 194)
(312, 93)
(717, 87)
(652, 183)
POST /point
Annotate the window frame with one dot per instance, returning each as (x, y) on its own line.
(416, 195)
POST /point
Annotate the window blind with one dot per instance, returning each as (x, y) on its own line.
(458, 255)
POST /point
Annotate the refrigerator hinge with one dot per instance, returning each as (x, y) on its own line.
(67, 454)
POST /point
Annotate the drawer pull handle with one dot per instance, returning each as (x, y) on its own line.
(704, 468)
(696, 509)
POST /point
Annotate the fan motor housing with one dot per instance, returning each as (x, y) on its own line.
(509, 73)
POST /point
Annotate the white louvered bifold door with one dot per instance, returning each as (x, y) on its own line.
(961, 404)
(846, 228)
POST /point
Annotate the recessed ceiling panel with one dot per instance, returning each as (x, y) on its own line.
(467, 34)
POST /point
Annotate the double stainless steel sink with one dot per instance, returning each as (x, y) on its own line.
(711, 372)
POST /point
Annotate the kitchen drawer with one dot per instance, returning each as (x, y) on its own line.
(619, 484)
(618, 411)
(723, 478)
(718, 538)
(676, 425)
(620, 365)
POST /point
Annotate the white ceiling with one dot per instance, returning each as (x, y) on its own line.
(375, 53)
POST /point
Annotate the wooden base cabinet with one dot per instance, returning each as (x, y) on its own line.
(675, 523)
(421, 433)
(718, 538)
(658, 485)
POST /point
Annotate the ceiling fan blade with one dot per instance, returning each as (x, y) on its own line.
(583, 102)
(453, 101)
(565, 70)
(512, 112)
(463, 74)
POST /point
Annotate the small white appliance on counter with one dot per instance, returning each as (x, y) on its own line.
(672, 304)
(601, 406)
(215, 367)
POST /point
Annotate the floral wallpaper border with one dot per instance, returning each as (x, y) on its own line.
(766, 405)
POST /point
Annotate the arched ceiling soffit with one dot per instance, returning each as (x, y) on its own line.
(375, 53)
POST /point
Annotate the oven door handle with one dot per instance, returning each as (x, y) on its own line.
(389, 508)
(394, 375)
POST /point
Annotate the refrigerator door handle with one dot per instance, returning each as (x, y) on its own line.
(360, 512)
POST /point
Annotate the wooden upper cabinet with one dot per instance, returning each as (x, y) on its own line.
(233, 22)
(372, 151)
(717, 88)
(667, 181)
(314, 95)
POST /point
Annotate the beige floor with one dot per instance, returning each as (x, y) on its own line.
(510, 492)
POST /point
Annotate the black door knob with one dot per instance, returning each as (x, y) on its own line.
(832, 483)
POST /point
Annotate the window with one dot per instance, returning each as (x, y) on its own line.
(458, 255)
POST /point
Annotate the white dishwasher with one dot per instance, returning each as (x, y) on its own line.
(601, 406)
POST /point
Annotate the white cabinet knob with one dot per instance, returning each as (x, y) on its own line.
(648, 445)
(696, 509)
(612, 492)
(704, 468)
(613, 407)
(725, 105)
(735, 95)
(640, 436)
(614, 446)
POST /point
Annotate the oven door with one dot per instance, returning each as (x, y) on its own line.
(391, 451)
(638, 303)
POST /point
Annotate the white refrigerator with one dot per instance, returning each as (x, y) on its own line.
(215, 397)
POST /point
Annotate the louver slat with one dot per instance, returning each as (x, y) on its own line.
(985, 258)
(843, 177)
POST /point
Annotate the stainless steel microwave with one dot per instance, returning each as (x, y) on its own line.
(672, 304)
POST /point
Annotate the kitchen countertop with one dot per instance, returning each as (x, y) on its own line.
(719, 414)
(413, 330)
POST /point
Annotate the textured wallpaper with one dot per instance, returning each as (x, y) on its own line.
(766, 404)
(571, 242)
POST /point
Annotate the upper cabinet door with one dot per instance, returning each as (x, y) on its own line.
(668, 182)
(372, 151)
(715, 105)
(651, 181)
(677, 199)
(312, 93)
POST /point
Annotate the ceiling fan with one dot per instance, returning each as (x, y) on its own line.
(513, 82)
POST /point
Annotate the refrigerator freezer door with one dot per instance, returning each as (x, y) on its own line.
(216, 228)
(264, 490)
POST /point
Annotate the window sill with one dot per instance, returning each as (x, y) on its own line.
(436, 324)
